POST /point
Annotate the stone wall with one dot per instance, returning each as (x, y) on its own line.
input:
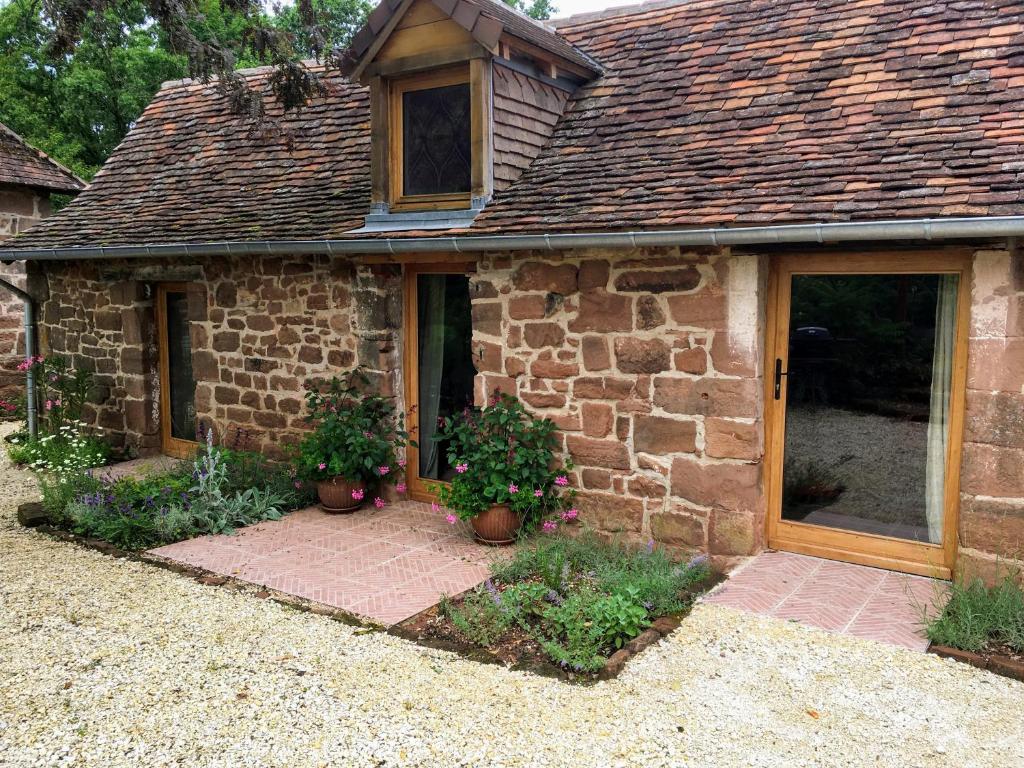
(260, 328)
(650, 363)
(992, 480)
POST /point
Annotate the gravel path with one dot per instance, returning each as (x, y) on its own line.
(114, 663)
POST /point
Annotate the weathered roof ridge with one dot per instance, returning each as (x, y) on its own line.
(633, 9)
(34, 168)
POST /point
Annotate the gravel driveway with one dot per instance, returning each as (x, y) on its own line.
(113, 663)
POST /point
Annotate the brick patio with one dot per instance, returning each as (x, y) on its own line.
(384, 565)
(838, 597)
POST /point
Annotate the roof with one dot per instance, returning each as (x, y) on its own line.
(485, 20)
(23, 165)
(708, 113)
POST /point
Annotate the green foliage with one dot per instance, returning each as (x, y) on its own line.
(978, 617)
(502, 455)
(535, 9)
(356, 433)
(338, 21)
(71, 449)
(579, 598)
(220, 491)
(78, 105)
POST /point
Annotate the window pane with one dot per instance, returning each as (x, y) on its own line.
(867, 409)
(446, 368)
(436, 140)
(179, 375)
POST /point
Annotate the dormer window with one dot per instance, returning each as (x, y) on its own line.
(431, 140)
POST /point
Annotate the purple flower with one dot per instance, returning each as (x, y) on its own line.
(495, 594)
(650, 546)
(553, 597)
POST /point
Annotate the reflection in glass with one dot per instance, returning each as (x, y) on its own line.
(179, 375)
(446, 368)
(867, 411)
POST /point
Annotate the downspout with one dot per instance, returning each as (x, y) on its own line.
(30, 344)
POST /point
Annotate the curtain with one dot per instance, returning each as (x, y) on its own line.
(938, 419)
(431, 298)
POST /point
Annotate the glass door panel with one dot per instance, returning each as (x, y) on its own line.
(177, 383)
(445, 372)
(868, 377)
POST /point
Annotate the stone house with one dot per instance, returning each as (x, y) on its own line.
(28, 179)
(759, 262)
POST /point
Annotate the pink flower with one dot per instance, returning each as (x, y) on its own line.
(297, 484)
(513, 488)
(49, 405)
(321, 465)
(383, 470)
(435, 507)
(538, 493)
(570, 514)
(549, 526)
(368, 435)
(400, 487)
(402, 463)
(450, 518)
(562, 480)
(460, 468)
(379, 503)
(358, 494)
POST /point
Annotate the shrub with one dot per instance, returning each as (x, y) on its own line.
(356, 434)
(579, 598)
(218, 492)
(502, 455)
(71, 449)
(978, 617)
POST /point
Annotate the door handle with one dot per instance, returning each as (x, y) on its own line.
(779, 373)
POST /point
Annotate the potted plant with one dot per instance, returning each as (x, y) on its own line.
(506, 480)
(353, 447)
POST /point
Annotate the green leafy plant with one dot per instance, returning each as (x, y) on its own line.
(502, 455)
(356, 433)
(978, 617)
(578, 598)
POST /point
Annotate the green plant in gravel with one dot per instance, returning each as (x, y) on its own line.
(481, 618)
(979, 617)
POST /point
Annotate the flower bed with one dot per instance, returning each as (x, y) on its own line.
(577, 605)
(983, 626)
(218, 492)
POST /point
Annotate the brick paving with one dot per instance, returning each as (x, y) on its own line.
(384, 565)
(839, 597)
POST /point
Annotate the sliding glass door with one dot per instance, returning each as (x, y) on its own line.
(865, 403)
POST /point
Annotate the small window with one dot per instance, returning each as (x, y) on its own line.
(435, 141)
(431, 161)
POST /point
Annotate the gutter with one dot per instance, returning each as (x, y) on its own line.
(979, 227)
(30, 344)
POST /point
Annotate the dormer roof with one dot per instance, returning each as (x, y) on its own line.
(23, 165)
(485, 20)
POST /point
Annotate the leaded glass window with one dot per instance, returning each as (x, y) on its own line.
(436, 141)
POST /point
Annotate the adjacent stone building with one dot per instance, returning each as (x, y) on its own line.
(28, 179)
(770, 291)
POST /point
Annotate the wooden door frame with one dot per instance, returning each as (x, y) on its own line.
(936, 560)
(410, 363)
(169, 445)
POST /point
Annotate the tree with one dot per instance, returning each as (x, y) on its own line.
(78, 107)
(535, 9)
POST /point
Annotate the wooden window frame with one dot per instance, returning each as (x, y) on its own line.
(410, 360)
(926, 559)
(398, 87)
(169, 445)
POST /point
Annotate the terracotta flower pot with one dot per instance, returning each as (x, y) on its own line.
(497, 526)
(336, 494)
